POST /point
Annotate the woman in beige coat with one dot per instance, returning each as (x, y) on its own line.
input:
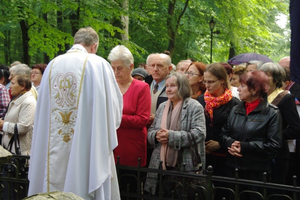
(21, 111)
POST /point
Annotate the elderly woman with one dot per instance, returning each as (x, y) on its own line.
(20, 112)
(174, 120)
(290, 118)
(36, 74)
(252, 134)
(22, 69)
(195, 75)
(132, 133)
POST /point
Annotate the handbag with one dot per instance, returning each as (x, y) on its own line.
(22, 164)
(195, 186)
(192, 186)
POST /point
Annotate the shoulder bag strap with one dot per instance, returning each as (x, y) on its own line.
(194, 151)
(15, 139)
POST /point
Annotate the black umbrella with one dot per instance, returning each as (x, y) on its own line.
(246, 57)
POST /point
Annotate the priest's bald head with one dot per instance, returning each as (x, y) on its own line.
(88, 38)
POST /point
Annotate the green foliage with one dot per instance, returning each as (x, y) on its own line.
(250, 25)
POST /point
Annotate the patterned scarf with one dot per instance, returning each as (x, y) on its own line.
(215, 102)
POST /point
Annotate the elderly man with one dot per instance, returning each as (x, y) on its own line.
(160, 65)
(78, 111)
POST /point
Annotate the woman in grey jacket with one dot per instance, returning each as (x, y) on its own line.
(174, 120)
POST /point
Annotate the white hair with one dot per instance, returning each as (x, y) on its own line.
(120, 52)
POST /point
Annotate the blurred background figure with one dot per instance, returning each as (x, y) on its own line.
(194, 74)
(37, 74)
(183, 65)
(139, 73)
(229, 72)
(142, 65)
(4, 92)
(253, 65)
(236, 74)
(290, 119)
(4, 76)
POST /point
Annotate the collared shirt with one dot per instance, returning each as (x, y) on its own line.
(161, 85)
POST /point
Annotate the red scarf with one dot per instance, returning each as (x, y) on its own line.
(251, 106)
(215, 102)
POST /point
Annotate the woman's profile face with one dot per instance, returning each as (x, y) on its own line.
(235, 81)
(122, 73)
(172, 89)
(213, 85)
(245, 94)
(36, 76)
(15, 88)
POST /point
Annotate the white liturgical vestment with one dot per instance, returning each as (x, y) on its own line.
(78, 111)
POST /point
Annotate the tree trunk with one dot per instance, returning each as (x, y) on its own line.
(25, 42)
(172, 31)
(231, 51)
(74, 19)
(46, 58)
(125, 20)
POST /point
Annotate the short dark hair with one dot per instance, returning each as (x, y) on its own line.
(24, 80)
(4, 72)
(256, 80)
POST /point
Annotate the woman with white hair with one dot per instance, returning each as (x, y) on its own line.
(132, 133)
(290, 118)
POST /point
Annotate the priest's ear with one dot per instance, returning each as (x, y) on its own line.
(94, 48)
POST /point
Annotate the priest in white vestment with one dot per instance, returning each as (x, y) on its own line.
(78, 111)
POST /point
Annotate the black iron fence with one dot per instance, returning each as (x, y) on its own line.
(14, 184)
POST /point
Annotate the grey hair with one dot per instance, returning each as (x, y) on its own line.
(184, 87)
(86, 36)
(181, 62)
(276, 71)
(167, 58)
(120, 52)
(21, 69)
(254, 62)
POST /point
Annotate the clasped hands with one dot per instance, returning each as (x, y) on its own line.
(162, 136)
(235, 149)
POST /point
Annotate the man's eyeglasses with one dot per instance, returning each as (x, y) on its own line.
(192, 74)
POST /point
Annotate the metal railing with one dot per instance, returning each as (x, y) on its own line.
(14, 184)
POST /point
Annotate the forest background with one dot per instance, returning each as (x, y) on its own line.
(35, 31)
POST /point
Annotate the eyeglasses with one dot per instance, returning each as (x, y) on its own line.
(35, 73)
(192, 74)
(159, 67)
(209, 82)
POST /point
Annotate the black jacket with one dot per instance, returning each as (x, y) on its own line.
(220, 115)
(260, 134)
(290, 123)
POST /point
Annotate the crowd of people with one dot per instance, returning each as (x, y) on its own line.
(80, 115)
